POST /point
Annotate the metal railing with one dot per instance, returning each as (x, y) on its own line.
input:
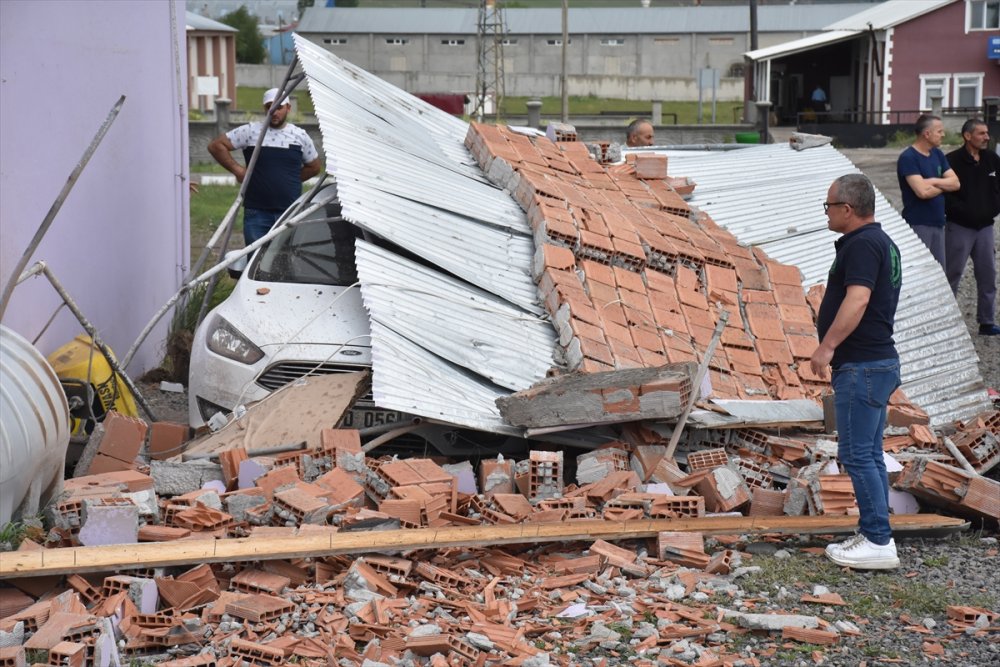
(857, 116)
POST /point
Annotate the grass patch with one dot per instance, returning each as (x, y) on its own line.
(687, 112)
(790, 572)
(887, 594)
(902, 138)
(208, 168)
(208, 208)
(936, 561)
(797, 652)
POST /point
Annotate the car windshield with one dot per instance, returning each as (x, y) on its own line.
(320, 253)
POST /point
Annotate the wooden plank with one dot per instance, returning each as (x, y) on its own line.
(315, 543)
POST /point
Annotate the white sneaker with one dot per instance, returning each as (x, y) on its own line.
(836, 548)
(860, 554)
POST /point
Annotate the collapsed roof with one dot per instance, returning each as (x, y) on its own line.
(450, 340)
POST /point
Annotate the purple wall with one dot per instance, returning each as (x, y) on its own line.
(120, 243)
(936, 43)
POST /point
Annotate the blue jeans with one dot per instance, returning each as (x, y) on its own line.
(861, 392)
(256, 223)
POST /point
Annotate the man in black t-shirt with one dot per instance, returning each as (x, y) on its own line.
(855, 324)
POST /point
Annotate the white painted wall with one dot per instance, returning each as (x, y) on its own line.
(120, 243)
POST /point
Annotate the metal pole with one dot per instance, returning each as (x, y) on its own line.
(696, 387)
(57, 204)
(562, 75)
(42, 268)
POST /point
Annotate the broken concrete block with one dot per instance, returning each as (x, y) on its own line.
(175, 479)
(239, 503)
(596, 465)
(122, 440)
(109, 521)
(650, 167)
(770, 622)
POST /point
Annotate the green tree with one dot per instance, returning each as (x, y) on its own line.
(249, 43)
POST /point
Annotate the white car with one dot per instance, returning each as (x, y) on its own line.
(296, 309)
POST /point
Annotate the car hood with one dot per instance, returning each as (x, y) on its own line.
(291, 313)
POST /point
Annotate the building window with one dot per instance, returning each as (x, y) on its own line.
(968, 90)
(720, 41)
(453, 42)
(612, 42)
(735, 71)
(509, 42)
(334, 41)
(556, 42)
(983, 14)
(934, 85)
(666, 40)
(397, 41)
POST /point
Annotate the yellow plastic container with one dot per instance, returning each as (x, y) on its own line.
(80, 365)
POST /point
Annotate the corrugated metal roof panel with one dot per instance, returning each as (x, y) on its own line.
(939, 363)
(403, 173)
(441, 348)
(804, 44)
(582, 20)
(409, 378)
(887, 14)
(195, 21)
(466, 326)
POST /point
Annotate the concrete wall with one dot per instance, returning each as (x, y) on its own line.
(589, 129)
(120, 243)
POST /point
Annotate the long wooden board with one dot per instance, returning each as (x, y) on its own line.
(319, 543)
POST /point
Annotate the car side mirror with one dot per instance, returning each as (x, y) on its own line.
(237, 268)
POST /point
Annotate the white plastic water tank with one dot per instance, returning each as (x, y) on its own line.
(34, 428)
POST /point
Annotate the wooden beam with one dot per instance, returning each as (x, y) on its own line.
(319, 543)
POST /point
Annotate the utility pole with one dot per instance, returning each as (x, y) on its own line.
(492, 31)
(562, 75)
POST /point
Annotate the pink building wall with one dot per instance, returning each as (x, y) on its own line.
(120, 243)
(936, 43)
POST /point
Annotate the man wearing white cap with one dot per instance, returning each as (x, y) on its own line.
(287, 157)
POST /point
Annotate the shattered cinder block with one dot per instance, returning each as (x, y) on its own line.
(496, 476)
(952, 488)
(109, 521)
(177, 478)
(596, 465)
(723, 488)
(683, 548)
(545, 475)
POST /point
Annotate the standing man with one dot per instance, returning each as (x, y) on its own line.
(287, 157)
(818, 99)
(639, 133)
(855, 324)
(924, 176)
(970, 213)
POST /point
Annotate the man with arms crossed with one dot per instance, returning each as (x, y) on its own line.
(287, 157)
(855, 324)
(970, 213)
(924, 176)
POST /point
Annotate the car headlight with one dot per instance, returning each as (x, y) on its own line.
(224, 339)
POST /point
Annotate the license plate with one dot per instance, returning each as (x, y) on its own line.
(368, 417)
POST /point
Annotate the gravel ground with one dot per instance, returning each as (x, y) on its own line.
(899, 616)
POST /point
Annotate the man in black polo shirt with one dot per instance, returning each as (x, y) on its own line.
(855, 324)
(970, 213)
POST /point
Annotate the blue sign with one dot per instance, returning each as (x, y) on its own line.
(993, 48)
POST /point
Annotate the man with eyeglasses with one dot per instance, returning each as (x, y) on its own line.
(924, 176)
(855, 325)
